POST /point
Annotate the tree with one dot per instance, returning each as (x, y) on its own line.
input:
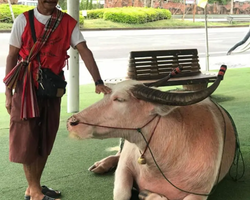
(81, 6)
(87, 4)
(90, 5)
(147, 3)
(63, 4)
(232, 7)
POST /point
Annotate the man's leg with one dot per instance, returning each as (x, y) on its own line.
(33, 173)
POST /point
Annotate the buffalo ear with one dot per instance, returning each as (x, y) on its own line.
(163, 110)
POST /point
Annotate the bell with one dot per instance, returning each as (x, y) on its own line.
(142, 160)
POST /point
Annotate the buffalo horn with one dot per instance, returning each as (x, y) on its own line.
(160, 82)
(176, 99)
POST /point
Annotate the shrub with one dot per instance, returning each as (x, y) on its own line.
(122, 15)
(5, 14)
(130, 15)
(95, 14)
(81, 19)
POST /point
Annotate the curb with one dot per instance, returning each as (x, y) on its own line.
(151, 28)
(148, 28)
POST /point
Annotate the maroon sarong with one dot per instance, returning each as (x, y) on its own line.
(32, 137)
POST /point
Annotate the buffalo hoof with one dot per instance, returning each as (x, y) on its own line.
(105, 165)
(148, 195)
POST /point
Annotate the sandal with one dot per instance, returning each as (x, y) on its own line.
(47, 198)
(26, 197)
(49, 192)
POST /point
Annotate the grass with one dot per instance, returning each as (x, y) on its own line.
(67, 166)
(172, 23)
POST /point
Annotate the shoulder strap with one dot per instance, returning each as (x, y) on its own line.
(32, 27)
(33, 31)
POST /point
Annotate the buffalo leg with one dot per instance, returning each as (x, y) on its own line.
(195, 197)
(123, 183)
(105, 165)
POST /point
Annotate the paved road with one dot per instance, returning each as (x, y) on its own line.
(111, 48)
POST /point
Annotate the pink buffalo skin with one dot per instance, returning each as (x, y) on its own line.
(193, 145)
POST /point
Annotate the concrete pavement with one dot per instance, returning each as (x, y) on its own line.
(115, 66)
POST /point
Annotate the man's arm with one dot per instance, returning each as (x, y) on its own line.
(91, 65)
(10, 64)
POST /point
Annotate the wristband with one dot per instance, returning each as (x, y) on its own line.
(99, 82)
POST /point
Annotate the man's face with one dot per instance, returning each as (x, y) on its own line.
(47, 5)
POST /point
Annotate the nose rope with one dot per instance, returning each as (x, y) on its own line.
(113, 127)
(141, 159)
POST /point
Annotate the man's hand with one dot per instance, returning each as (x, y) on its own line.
(102, 89)
(8, 101)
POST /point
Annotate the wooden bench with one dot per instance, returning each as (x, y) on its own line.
(239, 18)
(149, 66)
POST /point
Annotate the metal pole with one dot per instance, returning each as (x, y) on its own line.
(73, 79)
(207, 49)
(194, 10)
(232, 7)
(184, 12)
(11, 11)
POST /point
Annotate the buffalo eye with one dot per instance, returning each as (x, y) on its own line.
(119, 99)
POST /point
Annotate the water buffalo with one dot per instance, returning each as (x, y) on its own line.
(178, 144)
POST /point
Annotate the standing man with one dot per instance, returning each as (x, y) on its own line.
(32, 135)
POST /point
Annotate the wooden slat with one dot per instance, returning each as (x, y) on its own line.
(163, 57)
(141, 63)
(164, 52)
(168, 67)
(156, 64)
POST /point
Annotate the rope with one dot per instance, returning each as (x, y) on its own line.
(224, 138)
(147, 143)
(238, 153)
(178, 188)
(104, 126)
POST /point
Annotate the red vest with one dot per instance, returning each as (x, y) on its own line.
(54, 52)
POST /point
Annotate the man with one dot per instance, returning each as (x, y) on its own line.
(32, 138)
(236, 47)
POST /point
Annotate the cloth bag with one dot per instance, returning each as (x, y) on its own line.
(50, 84)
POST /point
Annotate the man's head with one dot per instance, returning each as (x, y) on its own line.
(46, 7)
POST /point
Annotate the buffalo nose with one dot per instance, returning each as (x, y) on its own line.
(73, 121)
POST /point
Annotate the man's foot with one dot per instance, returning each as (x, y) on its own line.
(46, 191)
(48, 198)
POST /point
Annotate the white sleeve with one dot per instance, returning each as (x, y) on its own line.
(76, 37)
(17, 31)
